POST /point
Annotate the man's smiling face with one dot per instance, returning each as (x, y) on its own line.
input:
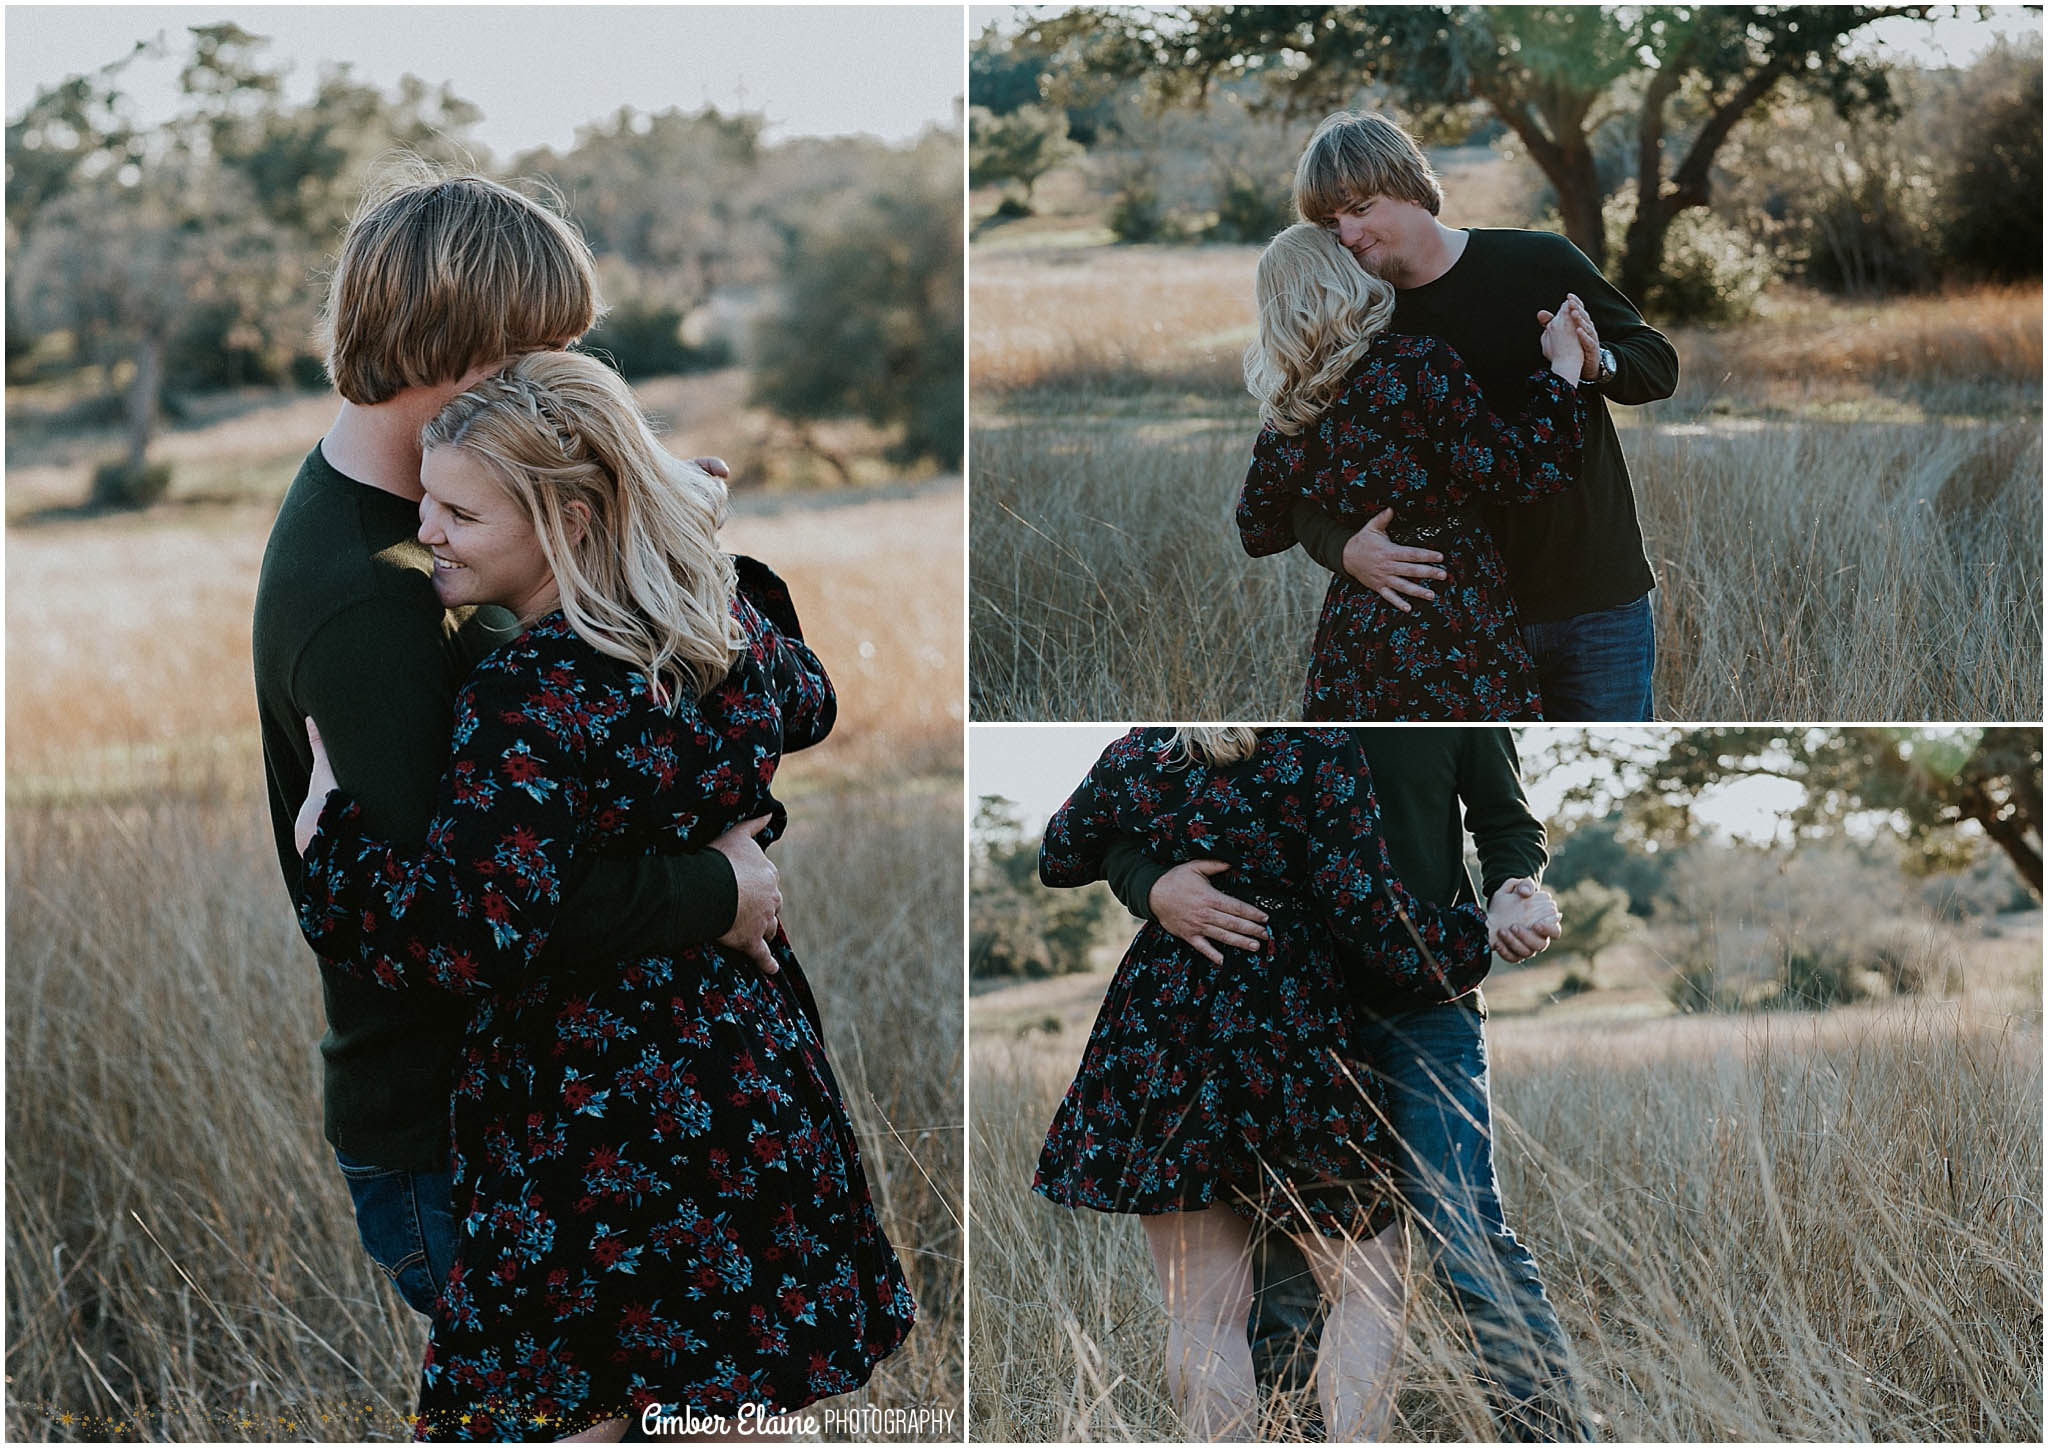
(1385, 233)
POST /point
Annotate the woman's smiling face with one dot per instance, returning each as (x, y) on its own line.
(485, 550)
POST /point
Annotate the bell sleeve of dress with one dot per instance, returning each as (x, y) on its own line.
(1077, 839)
(1272, 486)
(470, 909)
(803, 690)
(1494, 461)
(1433, 952)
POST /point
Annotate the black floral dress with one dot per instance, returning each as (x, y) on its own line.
(1411, 431)
(660, 1193)
(1238, 1085)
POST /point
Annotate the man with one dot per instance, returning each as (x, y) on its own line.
(1575, 562)
(439, 282)
(1433, 786)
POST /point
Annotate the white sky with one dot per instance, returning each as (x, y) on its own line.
(1038, 765)
(539, 71)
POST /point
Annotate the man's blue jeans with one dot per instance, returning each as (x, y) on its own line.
(407, 1222)
(1595, 667)
(1433, 1061)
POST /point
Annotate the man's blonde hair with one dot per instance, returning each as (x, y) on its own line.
(1354, 155)
(1318, 313)
(644, 580)
(440, 274)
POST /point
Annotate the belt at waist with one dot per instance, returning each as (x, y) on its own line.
(1268, 901)
(1427, 532)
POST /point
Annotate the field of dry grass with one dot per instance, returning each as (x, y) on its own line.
(1764, 1227)
(181, 1260)
(1842, 503)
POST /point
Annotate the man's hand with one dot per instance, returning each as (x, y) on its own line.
(1194, 911)
(1386, 567)
(714, 466)
(755, 921)
(1521, 920)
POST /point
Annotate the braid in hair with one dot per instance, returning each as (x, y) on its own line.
(629, 531)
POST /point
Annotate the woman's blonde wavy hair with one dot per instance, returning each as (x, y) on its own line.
(1318, 312)
(643, 578)
(1211, 744)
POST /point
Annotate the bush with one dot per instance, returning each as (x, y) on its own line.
(1695, 988)
(1871, 234)
(1712, 270)
(307, 372)
(211, 351)
(637, 340)
(1137, 216)
(868, 321)
(1249, 212)
(1011, 208)
(117, 485)
(1994, 195)
(1573, 984)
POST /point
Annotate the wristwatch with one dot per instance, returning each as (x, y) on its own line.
(1606, 368)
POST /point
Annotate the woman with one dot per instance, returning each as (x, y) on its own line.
(1213, 1096)
(661, 1198)
(1358, 419)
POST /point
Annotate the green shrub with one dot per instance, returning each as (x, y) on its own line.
(1993, 223)
(1871, 236)
(1712, 270)
(117, 485)
(1695, 988)
(1136, 215)
(637, 340)
(1248, 212)
(210, 351)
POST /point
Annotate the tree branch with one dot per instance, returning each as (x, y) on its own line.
(1689, 181)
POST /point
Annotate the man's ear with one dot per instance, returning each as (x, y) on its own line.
(576, 519)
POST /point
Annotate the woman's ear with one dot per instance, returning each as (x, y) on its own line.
(576, 519)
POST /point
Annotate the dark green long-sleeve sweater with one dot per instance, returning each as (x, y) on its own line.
(1581, 550)
(348, 631)
(1434, 785)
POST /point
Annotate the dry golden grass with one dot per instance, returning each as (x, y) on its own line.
(1753, 1228)
(1107, 582)
(128, 637)
(1971, 353)
(181, 1258)
(1845, 571)
(1842, 505)
(1103, 318)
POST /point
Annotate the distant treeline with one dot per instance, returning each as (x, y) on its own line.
(192, 254)
(1831, 916)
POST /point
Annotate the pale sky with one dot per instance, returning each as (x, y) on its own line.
(1037, 766)
(539, 71)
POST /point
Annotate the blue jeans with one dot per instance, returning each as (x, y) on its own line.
(1595, 667)
(407, 1222)
(1433, 1061)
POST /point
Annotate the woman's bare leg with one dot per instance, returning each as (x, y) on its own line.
(1366, 1286)
(1205, 1278)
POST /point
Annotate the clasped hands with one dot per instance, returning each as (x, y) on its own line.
(1521, 920)
(1393, 570)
